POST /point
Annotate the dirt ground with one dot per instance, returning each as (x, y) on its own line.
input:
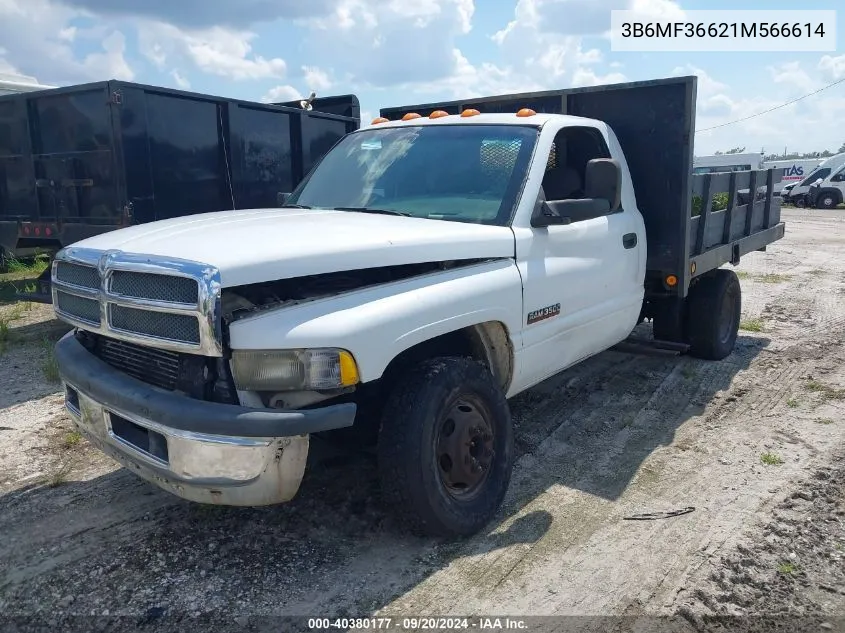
(753, 443)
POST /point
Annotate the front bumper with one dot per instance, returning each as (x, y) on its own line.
(201, 451)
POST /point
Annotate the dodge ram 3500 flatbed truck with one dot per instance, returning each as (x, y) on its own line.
(425, 271)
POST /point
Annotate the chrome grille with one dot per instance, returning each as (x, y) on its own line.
(170, 304)
(175, 327)
(155, 287)
(87, 310)
(84, 276)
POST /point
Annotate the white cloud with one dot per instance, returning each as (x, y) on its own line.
(111, 63)
(586, 77)
(580, 17)
(181, 81)
(68, 34)
(36, 35)
(833, 67)
(281, 94)
(316, 79)
(546, 38)
(470, 80)
(793, 75)
(707, 85)
(217, 51)
(391, 43)
(803, 126)
(207, 13)
(6, 67)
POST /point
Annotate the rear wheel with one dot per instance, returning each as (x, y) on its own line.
(446, 447)
(713, 311)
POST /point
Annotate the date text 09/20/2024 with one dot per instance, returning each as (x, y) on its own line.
(418, 624)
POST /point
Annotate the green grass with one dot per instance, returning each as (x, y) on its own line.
(771, 459)
(35, 267)
(772, 278)
(5, 335)
(50, 367)
(825, 421)
(742, 274)
(751, 325)
(72, 439)
(826, 391)
(792, 403)
(787, 568)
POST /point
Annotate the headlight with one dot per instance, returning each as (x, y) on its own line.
(293, 370)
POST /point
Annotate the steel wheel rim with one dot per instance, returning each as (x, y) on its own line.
(464, 447)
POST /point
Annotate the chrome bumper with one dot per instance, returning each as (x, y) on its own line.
(200, 451)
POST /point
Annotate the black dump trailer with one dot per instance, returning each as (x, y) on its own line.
(694, 223)
(82, 160)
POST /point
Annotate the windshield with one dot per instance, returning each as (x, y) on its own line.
(465, 173)
(822, 172)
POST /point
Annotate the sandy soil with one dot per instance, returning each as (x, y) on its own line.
(754, 444)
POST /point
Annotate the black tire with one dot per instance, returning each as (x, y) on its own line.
(827, 201)
(714, 305)
(414, 448)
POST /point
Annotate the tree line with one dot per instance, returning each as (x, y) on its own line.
(791, 156)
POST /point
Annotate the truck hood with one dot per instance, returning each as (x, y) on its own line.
(260, 245)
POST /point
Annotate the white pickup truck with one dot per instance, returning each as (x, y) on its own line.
(428, 269)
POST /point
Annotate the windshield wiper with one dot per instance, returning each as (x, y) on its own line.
(369, 210)
(295, 206)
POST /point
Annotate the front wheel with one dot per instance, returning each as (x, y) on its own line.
(446, 447)
(826, 201)
(714, 306)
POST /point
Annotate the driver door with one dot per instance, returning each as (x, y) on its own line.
(579, 279)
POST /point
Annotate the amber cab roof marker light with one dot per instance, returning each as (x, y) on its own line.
(525, 112)
(380, 119)
(438, 114)
(410, 116)
(470, 112)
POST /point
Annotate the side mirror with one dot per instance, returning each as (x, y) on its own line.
(604, 181)
(282, 198)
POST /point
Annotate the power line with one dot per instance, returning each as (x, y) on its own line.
(778, 107)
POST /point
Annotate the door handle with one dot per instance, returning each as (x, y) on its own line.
(629, 240)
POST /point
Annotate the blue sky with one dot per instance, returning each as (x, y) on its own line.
(393, 52)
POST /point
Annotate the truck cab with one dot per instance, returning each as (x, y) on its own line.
(827, 193)
(799, 193)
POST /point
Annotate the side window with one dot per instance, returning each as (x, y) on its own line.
(572, 149)
(839, 177)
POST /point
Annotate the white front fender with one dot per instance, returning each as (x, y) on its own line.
(377, 324)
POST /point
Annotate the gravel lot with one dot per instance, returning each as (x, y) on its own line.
(754, 443)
